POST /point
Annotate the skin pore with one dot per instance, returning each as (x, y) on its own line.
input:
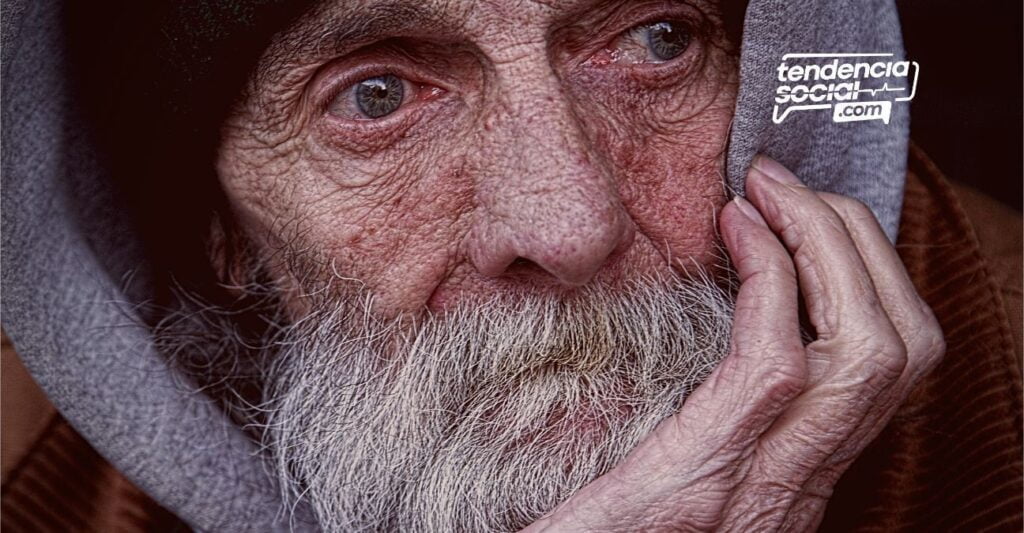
(537, 147)
(560, 163)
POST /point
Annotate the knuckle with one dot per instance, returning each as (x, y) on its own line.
(789, 228)
(778, 266)
(857, 210)
(927, 344)
(784, 380)
(924, 341)
(878, 360)
(775, 388)
(800, 212)
(825, 214)
(890, 357)
(936, 344)
(933, 349)
(849, 207)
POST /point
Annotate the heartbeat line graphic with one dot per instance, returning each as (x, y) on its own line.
(884, 88)
(835, 81)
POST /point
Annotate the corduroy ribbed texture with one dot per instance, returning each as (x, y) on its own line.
(951, 460)
(63, 485)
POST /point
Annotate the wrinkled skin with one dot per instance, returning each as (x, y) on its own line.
(761, 444)
(579, 169)
(529, 158)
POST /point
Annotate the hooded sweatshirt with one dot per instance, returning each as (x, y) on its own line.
(99, 102)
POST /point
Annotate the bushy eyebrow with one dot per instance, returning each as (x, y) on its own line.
(328, 29)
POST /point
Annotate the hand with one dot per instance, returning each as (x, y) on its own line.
(761, 444)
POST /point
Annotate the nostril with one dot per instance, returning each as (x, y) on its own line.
(528, 271)
(522, 265)
(521, 262)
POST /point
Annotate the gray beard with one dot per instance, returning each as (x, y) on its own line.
(487, 417)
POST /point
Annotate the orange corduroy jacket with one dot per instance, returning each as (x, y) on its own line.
(950, 460)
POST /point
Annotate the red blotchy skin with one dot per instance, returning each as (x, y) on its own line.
(542, 163)
(523, 159)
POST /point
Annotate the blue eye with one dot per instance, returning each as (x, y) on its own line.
(666, 40)
(653, 42)
(379, 96)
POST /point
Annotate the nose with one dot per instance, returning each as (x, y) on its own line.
(545, 199)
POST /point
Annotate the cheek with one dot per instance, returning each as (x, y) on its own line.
(420, 233)
(670, 174)
(397, 238)
(673, 188)
(393, 225)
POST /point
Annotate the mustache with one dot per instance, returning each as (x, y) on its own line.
(485, 417)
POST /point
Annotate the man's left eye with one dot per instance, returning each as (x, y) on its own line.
(655, 42)
(373, 98)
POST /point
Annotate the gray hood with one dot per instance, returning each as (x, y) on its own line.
(67, 248)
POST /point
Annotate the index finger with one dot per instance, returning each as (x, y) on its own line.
(839, 293)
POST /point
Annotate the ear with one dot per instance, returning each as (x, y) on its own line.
(229, 253)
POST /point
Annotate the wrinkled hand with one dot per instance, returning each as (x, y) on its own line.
(760, 445)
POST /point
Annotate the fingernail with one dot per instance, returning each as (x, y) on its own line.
(749, 211)
(774, 170)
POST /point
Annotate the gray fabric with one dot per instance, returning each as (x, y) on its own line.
(75, 328)
(866, 160)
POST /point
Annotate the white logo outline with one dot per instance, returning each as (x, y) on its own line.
(777, 119)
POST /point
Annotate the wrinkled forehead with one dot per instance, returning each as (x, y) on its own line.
(338, 26)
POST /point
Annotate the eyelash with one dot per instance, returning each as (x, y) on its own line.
(347, 92)
(349, 82)
(608, 55)
(361, 134)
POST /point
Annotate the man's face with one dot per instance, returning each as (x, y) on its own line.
(527, 195)
(438, 152)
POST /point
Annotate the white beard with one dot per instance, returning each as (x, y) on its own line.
(488, 417)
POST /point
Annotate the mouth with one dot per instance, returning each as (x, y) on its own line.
(569, 406)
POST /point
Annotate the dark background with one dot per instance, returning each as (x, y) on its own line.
(967, 114)
(967, 111)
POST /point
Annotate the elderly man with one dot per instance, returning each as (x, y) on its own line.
(482, 266)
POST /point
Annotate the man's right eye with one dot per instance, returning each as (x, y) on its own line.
(373, 98)
(666, 40)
